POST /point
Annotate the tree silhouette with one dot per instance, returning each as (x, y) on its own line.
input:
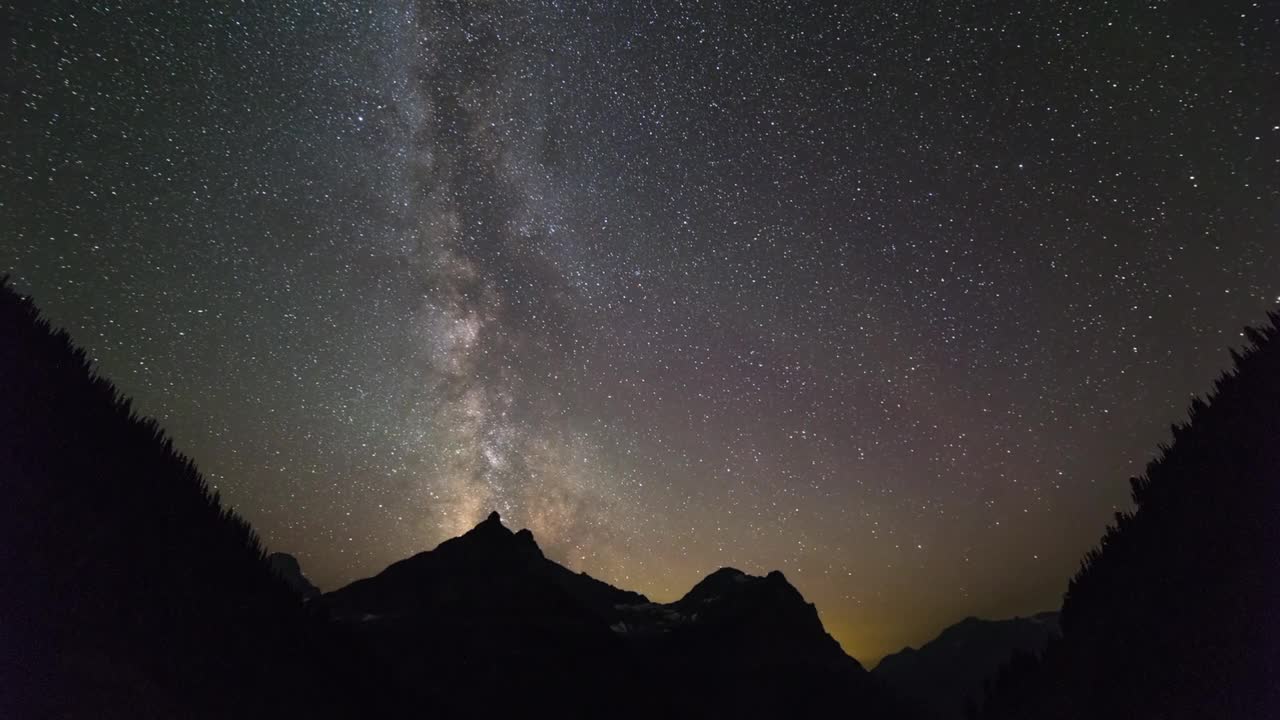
(128, 589)
(1173, 615)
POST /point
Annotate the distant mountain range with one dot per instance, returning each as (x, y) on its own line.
(950, 671)
(487, 615)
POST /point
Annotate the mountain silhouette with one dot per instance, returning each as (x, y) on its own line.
(488, 607)
(489, 570)
(758, 621)
(950, 672)
(1173, 615)
(287, 568)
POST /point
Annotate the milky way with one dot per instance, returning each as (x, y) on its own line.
(891, 298)
(489, 427)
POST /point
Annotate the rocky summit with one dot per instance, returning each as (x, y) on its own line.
(487, 615)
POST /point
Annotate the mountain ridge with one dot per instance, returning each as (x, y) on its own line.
(950, 672)
(496, 601)
(287, 568)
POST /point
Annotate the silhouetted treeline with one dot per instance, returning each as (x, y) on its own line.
(126, 588)
(1176, 614)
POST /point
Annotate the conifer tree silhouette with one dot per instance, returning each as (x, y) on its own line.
(1175, 613)
(128, 590)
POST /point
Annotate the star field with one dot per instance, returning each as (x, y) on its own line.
(893, 299)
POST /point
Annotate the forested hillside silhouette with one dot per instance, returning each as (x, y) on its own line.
(128, 589)
(1176, 614)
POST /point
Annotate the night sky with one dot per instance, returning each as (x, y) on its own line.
(893, 297)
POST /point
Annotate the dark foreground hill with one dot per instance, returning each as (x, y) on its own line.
(129, 591)
(1175, 614)
(950, 673)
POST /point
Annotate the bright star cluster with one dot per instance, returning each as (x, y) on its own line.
(891, 297)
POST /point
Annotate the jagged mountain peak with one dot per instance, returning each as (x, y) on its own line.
(491, 526)
(489, 566)
(716, 584)
(492, 592)
(490, 541)
(290, 571)
(731, 582)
